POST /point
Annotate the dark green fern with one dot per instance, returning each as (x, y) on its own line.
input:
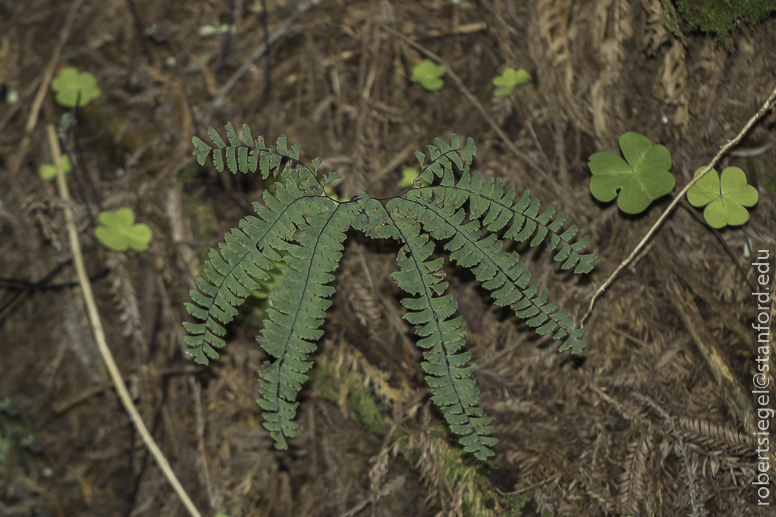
(300, 220)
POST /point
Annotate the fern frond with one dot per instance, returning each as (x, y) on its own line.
(241, 261)
(454, 390)
(476, 245)
(488, 199)
(310, 227)
(245, 156)
(299, 308)
(443, 156)
(299, 219)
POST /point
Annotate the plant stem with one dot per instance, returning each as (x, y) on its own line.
(99, 334)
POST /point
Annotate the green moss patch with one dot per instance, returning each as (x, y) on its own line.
(721, 17)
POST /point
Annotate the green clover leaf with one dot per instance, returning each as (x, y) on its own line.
(48, 171)
(429, 75)
(120, 231)
(724, 200)
(642, 179)
(509, 80)
(69, 82)
(408, 177)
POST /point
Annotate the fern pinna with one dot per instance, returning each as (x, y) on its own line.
(301, 222)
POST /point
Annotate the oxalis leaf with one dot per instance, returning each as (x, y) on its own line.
(429, 75)
(70, 82)
(724, 200)
(642, 179)
(119, 231)
(509, 80)
(48, 171)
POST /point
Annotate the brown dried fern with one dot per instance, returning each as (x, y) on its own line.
(632, 481)
(711, 435)
(124, 296)
(432, 471)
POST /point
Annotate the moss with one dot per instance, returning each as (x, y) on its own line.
(766, 179)
(518, 502)
(343, 385)
(476, 499)
(721, 17)
(200, 211)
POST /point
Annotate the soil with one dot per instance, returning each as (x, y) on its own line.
(655, 417)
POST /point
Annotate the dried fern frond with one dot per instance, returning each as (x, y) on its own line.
(714, 436)
(632, 482)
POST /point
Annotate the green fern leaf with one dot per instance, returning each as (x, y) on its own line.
(247, 156)
(503, 273)
(454, 390)
(233, 271)
(298, 309)
(231, 135)
(246, 135)
(301, 221)
(201, 150)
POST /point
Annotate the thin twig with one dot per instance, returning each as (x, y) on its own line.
(99, 334)
(279, 32)
(22, 285)
(724, 149)
(32, 120)
(227, 41)
(28, 287)
(139, 30)
(469, 95)
(268, 61)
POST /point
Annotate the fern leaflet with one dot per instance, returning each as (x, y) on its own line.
(455, 392)
(503, 273)
(299, 308)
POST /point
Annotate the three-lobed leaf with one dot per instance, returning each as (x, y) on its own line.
(48, 171)
(429, 75)
(723, 198)
(70, 85)
(119, 232)
(643, 178)
(509, 80)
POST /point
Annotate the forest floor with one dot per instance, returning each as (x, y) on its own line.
(642, 422)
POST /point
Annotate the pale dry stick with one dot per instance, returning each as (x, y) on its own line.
(724, 149)
(32, 120)
(469, 95)
(273, 38)
(99, 334)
